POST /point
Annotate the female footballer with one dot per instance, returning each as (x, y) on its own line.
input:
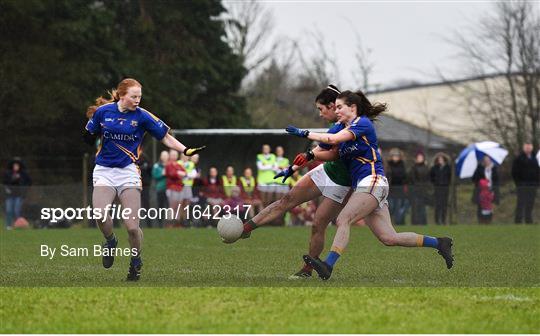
(356, 144)
(121, 124)
(330, 180)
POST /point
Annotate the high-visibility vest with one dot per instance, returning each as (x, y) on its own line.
(281, 164)
(248, 185)
(292, 181)
(228, 185)
(266, 176)
(189, 167)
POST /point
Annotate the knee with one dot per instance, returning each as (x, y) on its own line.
(343, 221)
(388, 239)
(134, 232)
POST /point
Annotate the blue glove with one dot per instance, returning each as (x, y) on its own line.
(285, 173)
(297, 131)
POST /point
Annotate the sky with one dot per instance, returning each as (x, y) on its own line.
(406, 39)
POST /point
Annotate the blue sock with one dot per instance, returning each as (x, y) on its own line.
(111, 240)
(428, 241)
(136, 261)
(332, 258)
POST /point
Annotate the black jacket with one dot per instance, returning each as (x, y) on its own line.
(440, 176)
(397, 178)
(525, 171)
(16, 184)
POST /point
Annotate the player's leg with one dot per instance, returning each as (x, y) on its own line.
(102, 199)
(359, 206)
(130, 198)
(380, 223)
(303, 191)
(327, 211)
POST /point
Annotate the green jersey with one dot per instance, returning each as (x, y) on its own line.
(337, 172)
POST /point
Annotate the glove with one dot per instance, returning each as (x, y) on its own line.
(285, 173)
(303, 158)
(193, 151)
(296, 131)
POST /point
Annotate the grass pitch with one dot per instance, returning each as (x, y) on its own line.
(192, 283)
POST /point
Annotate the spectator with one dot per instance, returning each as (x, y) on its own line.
(187, 181)
(280, 188)
(235, 203)
(196, 176)
(485, 201)
(160, 182)
(16, 182)
(397, 177)
(526, 176)
(419, 189)
(175, 173)
(249, 192)
(229, 181)
(265, 174)
(488, 171)
(281, 164)
(212, 191)
(440, 176)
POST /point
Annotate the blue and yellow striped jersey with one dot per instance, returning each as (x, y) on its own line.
(361, 155)
(122, 134)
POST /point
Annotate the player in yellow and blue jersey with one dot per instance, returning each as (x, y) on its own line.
(356, 145)
(121, 125)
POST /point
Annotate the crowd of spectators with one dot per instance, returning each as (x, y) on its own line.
(177, 182)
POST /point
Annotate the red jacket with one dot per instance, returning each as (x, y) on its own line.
(174, 181)
(212, 190)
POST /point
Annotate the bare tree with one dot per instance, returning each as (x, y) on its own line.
(502, 51)
(364, 63)
(320, 67)
(248, 26)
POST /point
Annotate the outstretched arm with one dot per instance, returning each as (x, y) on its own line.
(171, 142)
(331, 139)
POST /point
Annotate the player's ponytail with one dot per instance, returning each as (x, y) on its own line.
(363, 105)
(114, 95)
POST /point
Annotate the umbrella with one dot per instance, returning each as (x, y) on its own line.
(468, 159)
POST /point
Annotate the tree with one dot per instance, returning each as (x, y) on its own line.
(248, 26)
(57, 56)
(365, 64)
(503, 51)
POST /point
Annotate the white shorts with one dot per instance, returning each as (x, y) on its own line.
(376, 185)
(174, 196)
(117, 178)
(187, 193)
(328, 188)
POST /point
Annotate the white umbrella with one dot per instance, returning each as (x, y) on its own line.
(468, 159)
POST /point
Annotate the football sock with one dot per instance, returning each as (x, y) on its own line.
(427, 241)
(136, 261)
(111, 240)
(249, 226)
(333, 256)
